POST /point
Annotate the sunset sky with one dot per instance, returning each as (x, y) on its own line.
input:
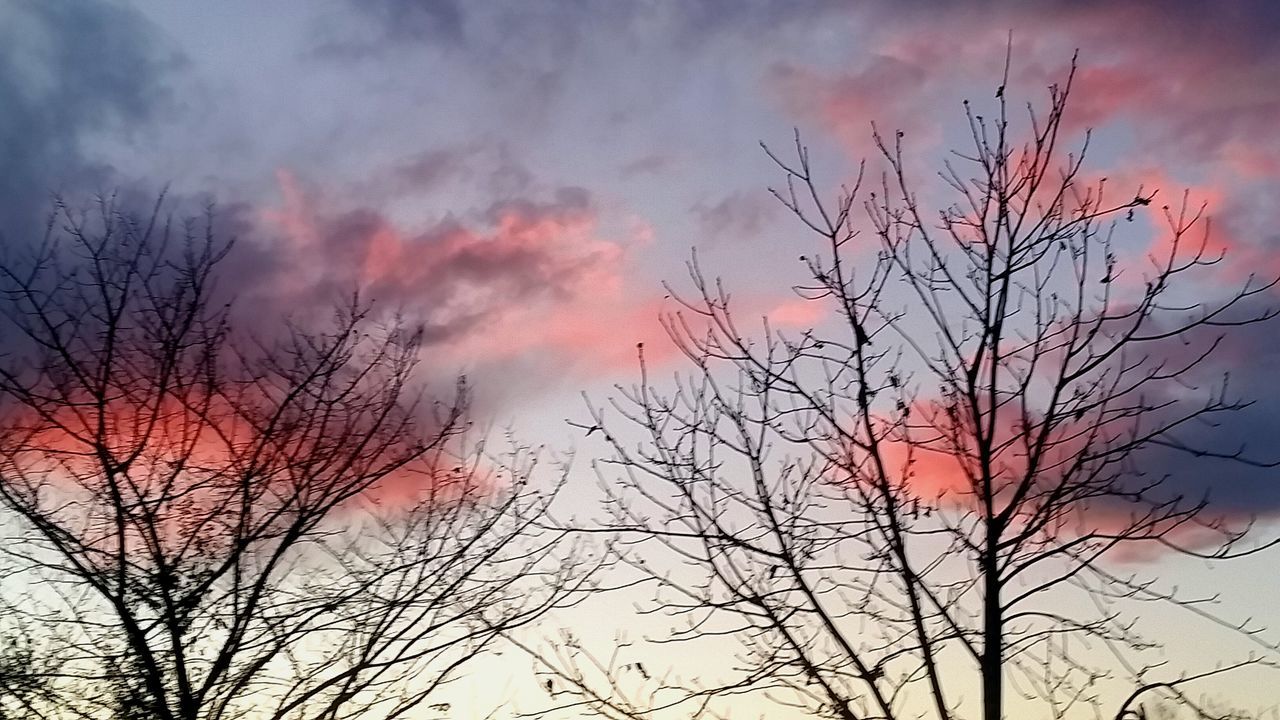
(523, 176)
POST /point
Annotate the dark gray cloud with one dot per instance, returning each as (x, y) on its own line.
(1247, 360)
(69, 71)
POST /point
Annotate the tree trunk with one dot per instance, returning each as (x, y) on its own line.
(992, 637)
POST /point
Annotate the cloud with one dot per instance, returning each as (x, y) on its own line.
(437, 21)
(528, 27)
(1195, 84)
(845, 104)
(70, 72)
(738, 215)
(485, 164)
(525, 276)
(454, 270)
(1184, 99)
(650, 164)
(797, 314)
(1245, 360)
(519, 48)
(529, 49)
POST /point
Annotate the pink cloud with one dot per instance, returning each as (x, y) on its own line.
(1197, 86)
(1215, 227)
(1186, 100)
(599, 335)
(797, 313)
(846, 104)
(523, 277)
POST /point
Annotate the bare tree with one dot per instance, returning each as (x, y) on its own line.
(24, 670)
(202, 525)
(944, 486)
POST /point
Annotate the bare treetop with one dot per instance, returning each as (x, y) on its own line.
(944, 487)
(197, 517)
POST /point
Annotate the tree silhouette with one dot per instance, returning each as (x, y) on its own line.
(205, 525)
(948, 485)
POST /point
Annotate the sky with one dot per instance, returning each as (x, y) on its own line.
(524, 176)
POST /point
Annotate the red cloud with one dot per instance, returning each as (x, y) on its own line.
(939, 479)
